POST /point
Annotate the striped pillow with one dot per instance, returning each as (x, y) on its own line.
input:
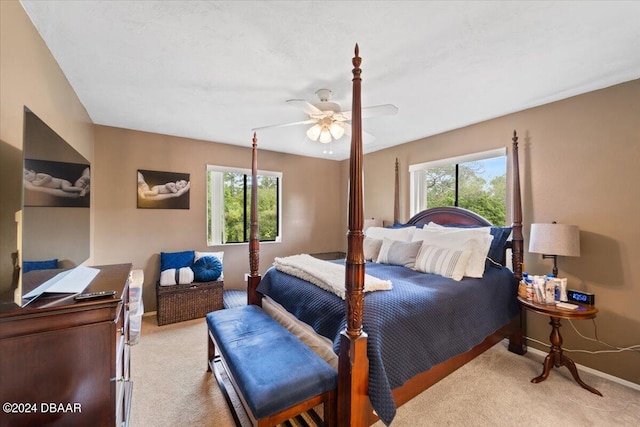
(445, 262)
(398, 253)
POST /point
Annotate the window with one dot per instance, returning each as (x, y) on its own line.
(229, 205)
(477, 182)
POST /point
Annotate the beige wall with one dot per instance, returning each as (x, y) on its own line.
(30, 76)
(311, 188)
(579, 165)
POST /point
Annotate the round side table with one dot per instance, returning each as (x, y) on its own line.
(556, 357)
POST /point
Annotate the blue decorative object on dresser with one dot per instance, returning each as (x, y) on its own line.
(28, 266)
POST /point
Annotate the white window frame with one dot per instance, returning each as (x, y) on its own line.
(417, 172)
(217, 200)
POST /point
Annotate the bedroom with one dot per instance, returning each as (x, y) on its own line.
(573, 145)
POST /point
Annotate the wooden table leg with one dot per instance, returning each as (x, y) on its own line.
(572, 367)
(557, 358)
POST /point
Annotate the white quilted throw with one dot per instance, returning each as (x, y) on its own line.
(324, 274)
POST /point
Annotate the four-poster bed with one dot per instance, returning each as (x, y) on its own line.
(361, 359)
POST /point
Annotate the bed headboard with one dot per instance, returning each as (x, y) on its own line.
(448, 215)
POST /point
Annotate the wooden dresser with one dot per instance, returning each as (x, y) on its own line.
(66, 363)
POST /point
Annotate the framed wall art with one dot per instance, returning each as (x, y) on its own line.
(163, 190)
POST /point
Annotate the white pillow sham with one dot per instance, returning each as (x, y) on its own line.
(475, 240)
(445, 262)
(402, 234)
(219, 255)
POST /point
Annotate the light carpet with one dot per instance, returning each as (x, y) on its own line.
(171, 387)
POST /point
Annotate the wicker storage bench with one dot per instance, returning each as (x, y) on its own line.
(177, 303)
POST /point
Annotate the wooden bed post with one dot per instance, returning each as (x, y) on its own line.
(516, 340)
(517, 239)
(253, 296)
(353, 366)
(396, 195)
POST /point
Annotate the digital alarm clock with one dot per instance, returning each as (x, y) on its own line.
(581, 297)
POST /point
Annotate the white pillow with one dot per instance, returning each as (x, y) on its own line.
(476, 240)
(445, 262)
(219, 255)
(402, 234)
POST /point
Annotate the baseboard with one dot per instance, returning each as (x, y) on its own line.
(149, 313)
(600, 374)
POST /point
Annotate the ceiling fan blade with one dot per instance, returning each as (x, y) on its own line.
(367, 138)
(378, 110)
(305, 106)
(304, 122)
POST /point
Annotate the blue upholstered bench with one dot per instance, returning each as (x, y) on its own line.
(275, 374)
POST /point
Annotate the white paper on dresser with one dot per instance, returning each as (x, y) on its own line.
(68, 282)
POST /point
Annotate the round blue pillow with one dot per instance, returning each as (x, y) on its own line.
(206, 269)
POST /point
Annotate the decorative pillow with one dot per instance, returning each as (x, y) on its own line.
(445, 262)
(170, 260)
(28, 266)
(371, 248)
(398, 253)
(401, 225)
(476, 240)
(207, 269)
(219, 255)
(402, 234)
(500, 237)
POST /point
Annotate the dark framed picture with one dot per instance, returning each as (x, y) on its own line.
(57, 184)
(163, 190)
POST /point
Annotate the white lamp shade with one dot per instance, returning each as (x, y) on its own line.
(325, 136)
(314, 132)
(555, 239)
(336, 129)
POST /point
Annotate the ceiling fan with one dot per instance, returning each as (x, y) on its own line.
(329, 122)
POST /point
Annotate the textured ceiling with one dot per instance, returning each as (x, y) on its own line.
(213, 70)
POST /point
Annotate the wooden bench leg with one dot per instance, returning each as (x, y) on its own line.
(211, 353)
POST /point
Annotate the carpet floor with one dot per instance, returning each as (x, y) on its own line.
(173, 388)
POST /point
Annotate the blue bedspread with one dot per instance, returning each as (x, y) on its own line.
(424, 320)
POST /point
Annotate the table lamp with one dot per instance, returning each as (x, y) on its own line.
(553, 240)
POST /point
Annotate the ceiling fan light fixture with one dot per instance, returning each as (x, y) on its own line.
(325, 136)
(337, 130)
(313, 133)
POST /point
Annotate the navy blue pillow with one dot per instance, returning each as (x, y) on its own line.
(402, 225)
(500, 237)
(206, 269)
(176, 259)
(28, 266)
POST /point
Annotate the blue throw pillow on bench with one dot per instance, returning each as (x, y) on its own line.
(177, 260)
(206, 269)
